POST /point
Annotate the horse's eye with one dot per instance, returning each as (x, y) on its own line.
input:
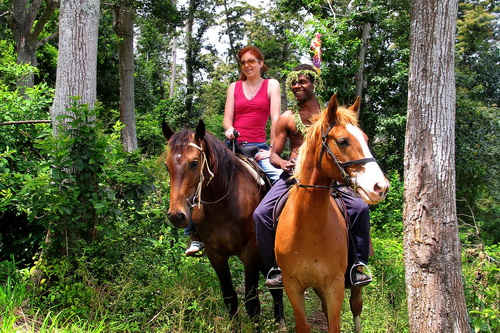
(343, 142)
(193, 164)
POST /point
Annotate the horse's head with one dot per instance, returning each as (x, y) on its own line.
(184, 159)
(342, 153)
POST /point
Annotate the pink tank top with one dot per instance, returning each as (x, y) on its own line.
(250, 116)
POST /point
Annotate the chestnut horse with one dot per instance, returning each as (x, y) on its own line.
(311, 238)
(211, 187)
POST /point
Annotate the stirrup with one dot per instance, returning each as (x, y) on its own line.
(194, 249)
(353, 272)
(273, 284)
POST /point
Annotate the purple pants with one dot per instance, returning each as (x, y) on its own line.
(359, 221)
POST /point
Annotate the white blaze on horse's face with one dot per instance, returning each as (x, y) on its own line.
(371, 183)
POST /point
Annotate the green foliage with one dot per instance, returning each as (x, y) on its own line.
(18, 155)
(174, 112)
(386, 218)
(478, 52)
(153, 64)
(481, 278)
(12, 287)
(477, 154)
(386, 65)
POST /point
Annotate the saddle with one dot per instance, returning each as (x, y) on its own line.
(246, 156)
(280, 203)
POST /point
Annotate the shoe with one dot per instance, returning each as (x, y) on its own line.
(358, 278)
(194, 248)
(274, 279)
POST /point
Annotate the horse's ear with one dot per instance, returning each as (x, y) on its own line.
(167, 132)
(356, 105)
(200, 131)
(331, 116)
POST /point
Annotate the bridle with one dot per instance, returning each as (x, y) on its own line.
(196, 199)
(347, 180)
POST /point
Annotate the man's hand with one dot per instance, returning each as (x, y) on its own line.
(262, 154)
(288, 166)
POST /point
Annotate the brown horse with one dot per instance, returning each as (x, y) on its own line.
(211, 187)
(311, 238)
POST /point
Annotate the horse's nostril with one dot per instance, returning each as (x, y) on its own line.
(176, 217)
(381, 189)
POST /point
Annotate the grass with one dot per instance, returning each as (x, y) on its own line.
(186, 299)
(188, 302)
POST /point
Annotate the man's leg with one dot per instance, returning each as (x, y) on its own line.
(270, 170)
(359, 222)
(264, 224)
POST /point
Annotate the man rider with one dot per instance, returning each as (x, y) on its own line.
(292, 126)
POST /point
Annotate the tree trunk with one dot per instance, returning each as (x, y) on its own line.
(436, 301)
(26, 27)
(360, 80)
(234, 52)
(190, 57)
(77, 59)
(76, 71)
(125, 30)
(174, 68)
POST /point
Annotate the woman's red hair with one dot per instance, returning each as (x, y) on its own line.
(257, 53)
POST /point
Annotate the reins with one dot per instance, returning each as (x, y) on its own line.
(320, 187)
(196, 200)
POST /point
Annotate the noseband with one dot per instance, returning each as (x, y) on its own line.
(347, 180)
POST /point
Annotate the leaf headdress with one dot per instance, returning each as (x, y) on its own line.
(293, 76)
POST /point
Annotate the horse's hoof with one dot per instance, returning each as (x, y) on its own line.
(357, 324)
(282, 326)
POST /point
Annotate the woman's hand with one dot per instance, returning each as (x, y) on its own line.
(229, 133)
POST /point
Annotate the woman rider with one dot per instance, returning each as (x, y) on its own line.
(250, 102)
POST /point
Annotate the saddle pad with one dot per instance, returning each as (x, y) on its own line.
(253, 169)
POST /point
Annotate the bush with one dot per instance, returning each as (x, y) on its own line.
(386, 217)
(19, 157)
(481, 280)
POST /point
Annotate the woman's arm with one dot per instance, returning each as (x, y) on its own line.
(273, 90)
(229, 112)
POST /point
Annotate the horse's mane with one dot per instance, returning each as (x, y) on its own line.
(219, 157)
(312, 139)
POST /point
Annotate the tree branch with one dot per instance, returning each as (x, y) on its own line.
(25, 122)
(32, 13)
(46, 39)
(42, 21)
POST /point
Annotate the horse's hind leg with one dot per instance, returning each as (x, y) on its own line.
(221, 267)
(323, 302)
(356, 303)
(295, 294)
(252, 303)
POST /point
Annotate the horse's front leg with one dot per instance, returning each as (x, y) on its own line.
(221, 266)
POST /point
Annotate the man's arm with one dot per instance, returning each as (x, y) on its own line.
(280, 135)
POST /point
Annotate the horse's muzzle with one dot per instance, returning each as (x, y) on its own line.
(178, 219)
